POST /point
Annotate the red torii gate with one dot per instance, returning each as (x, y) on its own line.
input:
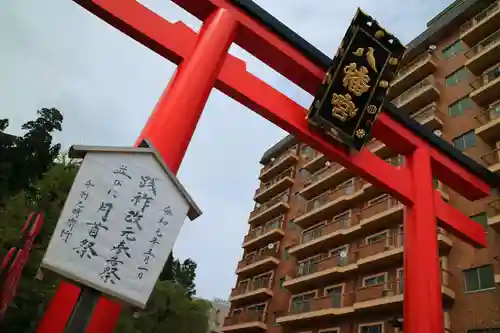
(204, 63)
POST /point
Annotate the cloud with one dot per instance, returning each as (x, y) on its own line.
(54, 53)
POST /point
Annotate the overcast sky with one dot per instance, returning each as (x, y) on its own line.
(55, 54)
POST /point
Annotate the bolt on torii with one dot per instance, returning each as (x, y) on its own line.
(204, 63)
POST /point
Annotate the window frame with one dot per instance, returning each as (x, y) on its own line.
(480, 288)
(456, 46)
(363, 281)
(462, 138)
(458, 102)
(457, 75)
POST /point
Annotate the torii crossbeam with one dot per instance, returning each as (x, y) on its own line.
(204, 63)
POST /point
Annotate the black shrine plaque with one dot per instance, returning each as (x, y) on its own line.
(354, 88)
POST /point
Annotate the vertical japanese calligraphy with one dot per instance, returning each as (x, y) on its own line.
(162, 223)
(110, 271)
(122, 215)
(350, 98)
(76, 210)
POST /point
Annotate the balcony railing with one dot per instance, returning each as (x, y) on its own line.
(494, 207)
(395, 160)
(492, 158)
(277, 160)
(484, 44)
(416, 89)
(480, 17)
(324, 229)
(389, 242)
(245, 317)
(264, 186)
(314, 266)
(274, 253)
(391, 287)
(333, 194)
(312, 156)
(276, 223)
(413, 64)
(426, 112)
(378, 206)
(486, 78)
(255, 285)
(323, 173)
(488, 115)
(282, 197)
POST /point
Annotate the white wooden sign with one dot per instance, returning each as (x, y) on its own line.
(119, 223)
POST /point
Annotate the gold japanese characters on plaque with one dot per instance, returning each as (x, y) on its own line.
(355, 85)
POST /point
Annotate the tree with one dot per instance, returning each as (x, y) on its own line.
(185, 275)
(25, 159)
(169, 310)
(167, 274)
(47, 195)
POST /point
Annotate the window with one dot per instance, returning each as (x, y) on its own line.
(371, 329)
(456, 76)
(482, 219)
(336, 295)
(303, 174)
(459, 107)
(301, 303)
(453, 49)
(374, 280)
(282, 281)
(376, 237)
(237, 312)
(479, 278)
(465, 140)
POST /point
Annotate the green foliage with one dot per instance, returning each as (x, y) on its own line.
(169, 310)
(50, 193)
(25, 159)
(182, 274)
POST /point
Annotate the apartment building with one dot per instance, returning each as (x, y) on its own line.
(217, 315)
(324, 250)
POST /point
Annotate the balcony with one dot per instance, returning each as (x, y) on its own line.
(325, 178)
(280, 163)
(383, 297)
(489, 130)
(492, 160)
(484, 54)
(263, 262)
(330, 203)
(380, 213)
(481, 25)
(486, 87)
(388, 250)
(315, 161)
(260, 236)
(418, 96)
(247, 322)
(385, 251)
(278, 184)
(320, 272)
(270, 209)
(256, 292)
(430, 117)
(326, 235)
(388, 296)
(494, 214)
(380, 149)
(418, 69)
